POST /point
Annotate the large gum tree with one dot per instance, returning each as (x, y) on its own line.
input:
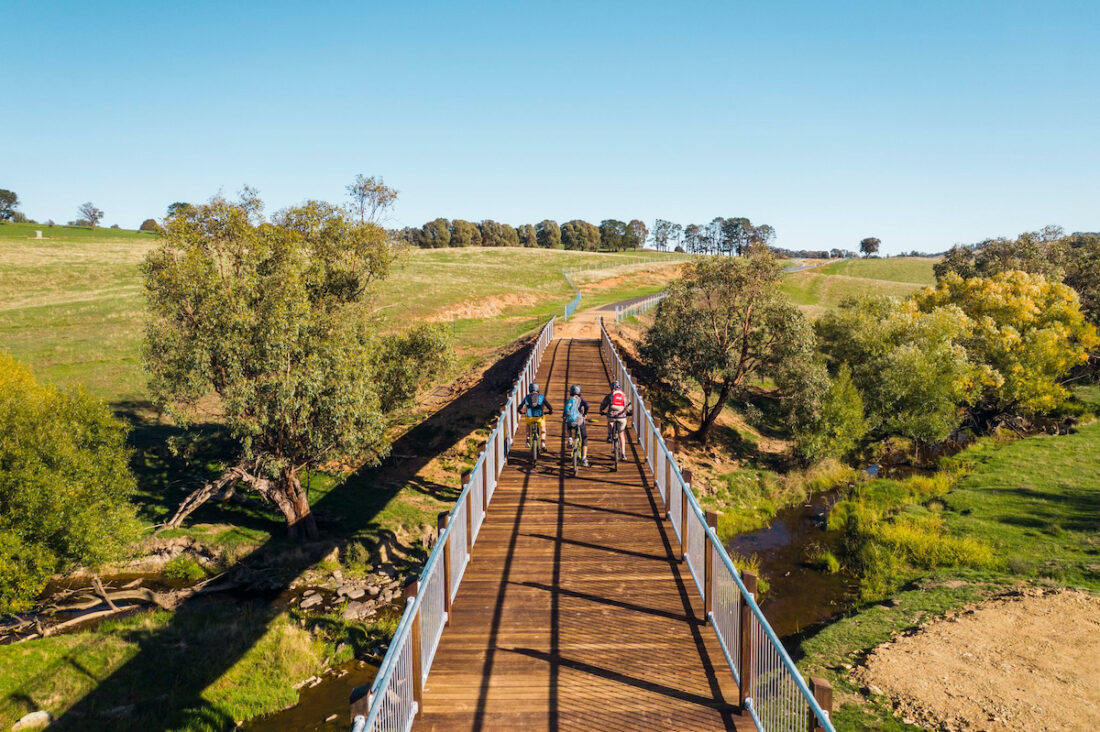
(271, 324)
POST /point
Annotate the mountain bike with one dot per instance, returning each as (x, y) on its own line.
(534, 436)
(616, 444)
(577, 453)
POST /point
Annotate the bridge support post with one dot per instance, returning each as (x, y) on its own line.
(745, 654)
(823, 693)
(708, 569)
(443, 521)
(469, 515)
(360, 701)
(667, 462)
(684, 515)
(411, 591)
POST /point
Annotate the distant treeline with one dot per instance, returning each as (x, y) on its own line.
(721, 236)
(577, 235)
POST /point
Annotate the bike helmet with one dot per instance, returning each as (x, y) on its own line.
(533, 389)
(615, 386)
(575, 390)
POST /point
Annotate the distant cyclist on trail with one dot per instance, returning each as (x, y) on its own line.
(617, 408)
(575, 415)
(534, 407)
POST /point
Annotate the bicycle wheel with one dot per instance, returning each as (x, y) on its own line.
(535, 438)
(615, 448)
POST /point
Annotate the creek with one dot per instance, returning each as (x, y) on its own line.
(318, 703)
(799, 596)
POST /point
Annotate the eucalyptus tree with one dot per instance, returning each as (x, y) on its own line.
(9, 202)
(725, 323)
(272, 324)
(436, 234)
(464, 234)
(549, 234)
(636, 234)
(370, 196)
(869, 245)
(527, 235)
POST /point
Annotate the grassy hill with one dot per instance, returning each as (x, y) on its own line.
(824, 287)
(71, 303)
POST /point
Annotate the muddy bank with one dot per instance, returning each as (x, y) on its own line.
(798, 596)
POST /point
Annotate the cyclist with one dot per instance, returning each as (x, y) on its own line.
(575, 415)
(617, 409)
(533, 407)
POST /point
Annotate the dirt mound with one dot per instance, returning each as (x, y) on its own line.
(1024, 661)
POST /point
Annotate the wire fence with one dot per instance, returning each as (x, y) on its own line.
(773, 691)
(637, 308)
(394, 697)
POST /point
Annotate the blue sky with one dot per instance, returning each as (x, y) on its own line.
(924, 124)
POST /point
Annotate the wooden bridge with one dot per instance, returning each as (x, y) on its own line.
(574, 611)
(602, 601)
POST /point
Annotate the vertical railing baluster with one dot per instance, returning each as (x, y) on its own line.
(745, 653)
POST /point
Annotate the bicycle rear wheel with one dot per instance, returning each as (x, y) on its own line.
(535, 438)
(615, 448)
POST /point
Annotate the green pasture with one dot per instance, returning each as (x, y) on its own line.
(915, 270)
(71, 303)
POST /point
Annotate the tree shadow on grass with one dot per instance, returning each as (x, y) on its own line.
(161, 690)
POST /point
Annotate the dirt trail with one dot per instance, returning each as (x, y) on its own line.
(1026, 661)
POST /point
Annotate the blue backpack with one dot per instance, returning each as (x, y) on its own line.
(573, 410)
(534, 405)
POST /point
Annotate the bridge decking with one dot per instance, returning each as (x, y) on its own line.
(573, 611)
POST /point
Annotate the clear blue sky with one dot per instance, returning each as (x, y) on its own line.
(922, 123)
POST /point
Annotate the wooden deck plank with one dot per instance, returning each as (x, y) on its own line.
(573, 612)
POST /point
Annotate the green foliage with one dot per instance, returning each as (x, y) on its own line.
(580, 236)
(613, 235)
(869, 246)
(184, 568)
(465, 234)
(435, 234)
(548, 234)
(496, 234)
(837, 426)
(725, 323)
(909, 366)
(65, 484)
(1026, 332)
(275, 319)
(9, 202)
(527, 235)
(149, 225)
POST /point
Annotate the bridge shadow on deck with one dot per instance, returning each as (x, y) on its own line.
(161, 686)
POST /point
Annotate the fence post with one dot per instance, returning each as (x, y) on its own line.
(684, 514)
(469, 515)
(444, 519)
(668, 482)
(745, 657)
(485, 486)
(411, 591)
(708, 569)
(823, 693)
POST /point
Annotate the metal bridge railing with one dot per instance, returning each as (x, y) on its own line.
(773, 692)
(637, 308)
(391, 702)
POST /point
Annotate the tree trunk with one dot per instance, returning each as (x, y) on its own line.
(286, 492)
(291, 499)
(711, 414)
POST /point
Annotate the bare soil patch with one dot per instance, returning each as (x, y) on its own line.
(486, 307)
(1023, 661)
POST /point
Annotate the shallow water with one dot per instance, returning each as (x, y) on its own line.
(799, 596)
(329, 697)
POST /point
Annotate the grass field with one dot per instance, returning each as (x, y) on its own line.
(71, 303)
(1033, 501)
(818, 289)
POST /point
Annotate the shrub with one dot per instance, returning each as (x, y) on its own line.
(185, 569)
(149, 225)
(65, 485)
